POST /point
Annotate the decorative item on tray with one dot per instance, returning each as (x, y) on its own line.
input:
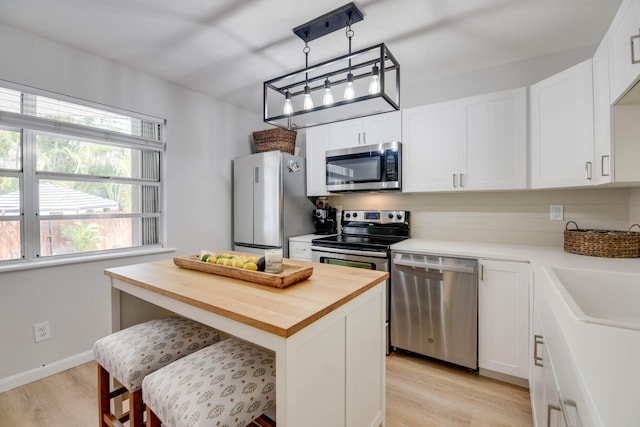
(248, 267)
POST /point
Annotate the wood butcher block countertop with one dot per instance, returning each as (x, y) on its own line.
(282, 312)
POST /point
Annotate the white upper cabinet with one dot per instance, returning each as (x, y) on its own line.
(431, 147)
(496, 141)
(623, 50)
(317, 144)
(562, 150)
(602, 130)
(376, 129)
(476, 143)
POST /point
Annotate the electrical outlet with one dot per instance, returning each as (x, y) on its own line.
(42, 331)
(556, 213)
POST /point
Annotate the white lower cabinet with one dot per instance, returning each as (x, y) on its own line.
(558, 396)
(299, 250)
(503, 318)
(543, 388)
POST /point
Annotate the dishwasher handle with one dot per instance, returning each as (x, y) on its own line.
(434, 266)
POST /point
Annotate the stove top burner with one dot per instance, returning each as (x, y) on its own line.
(369, 230)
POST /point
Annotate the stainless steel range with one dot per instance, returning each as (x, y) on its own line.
(364, 242)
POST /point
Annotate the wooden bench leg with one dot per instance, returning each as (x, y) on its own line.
(104, 407)
(152, 419)
(136, 409)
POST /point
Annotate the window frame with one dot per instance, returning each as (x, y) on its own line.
(29, 178)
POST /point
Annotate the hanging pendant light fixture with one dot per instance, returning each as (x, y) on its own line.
(327, 97)
(369, 79)
(288, 106)
(374, 84)
(349, 90)
(307, 102)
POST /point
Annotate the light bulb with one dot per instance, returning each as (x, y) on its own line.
(308, 102)
(349, 92)
(327, 98)
(374, 84)
(288, 106)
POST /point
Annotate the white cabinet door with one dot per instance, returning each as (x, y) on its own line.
(382, 128)
(603, 163)
(476, 143)
(316, 145)
(300, 250)
(545, 399)
(503, 317)
(376, 129)
(345, 134)
(562, 129)
(432, 146)
(623, 71)
(496, 141)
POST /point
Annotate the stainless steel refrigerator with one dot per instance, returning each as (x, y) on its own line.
(269, 201)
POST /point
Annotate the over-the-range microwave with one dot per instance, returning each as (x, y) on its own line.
(365, 168)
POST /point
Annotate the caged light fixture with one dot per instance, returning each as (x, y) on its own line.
(368, 78)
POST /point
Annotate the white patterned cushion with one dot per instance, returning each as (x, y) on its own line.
(130, 354)
(228, 384)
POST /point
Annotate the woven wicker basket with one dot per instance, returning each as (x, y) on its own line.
(602, 243)
(275, 140)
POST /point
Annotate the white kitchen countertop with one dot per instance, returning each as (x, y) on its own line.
(307, 238)
(605, 357)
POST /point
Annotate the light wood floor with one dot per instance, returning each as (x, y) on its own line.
(420, 393)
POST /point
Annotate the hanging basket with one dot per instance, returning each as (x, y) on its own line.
(602, 243)
(275, 140)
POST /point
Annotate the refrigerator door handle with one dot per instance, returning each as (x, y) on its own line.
(256, 174)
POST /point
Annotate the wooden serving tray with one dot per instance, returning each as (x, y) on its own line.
(292, 273)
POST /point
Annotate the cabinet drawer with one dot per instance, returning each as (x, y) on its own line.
(300, 250)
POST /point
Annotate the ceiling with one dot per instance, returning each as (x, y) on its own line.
(227, 48)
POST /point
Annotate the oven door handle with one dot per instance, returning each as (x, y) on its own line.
(348, 252)
(434, 266)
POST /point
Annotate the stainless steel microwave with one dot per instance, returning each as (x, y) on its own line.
(365, 168)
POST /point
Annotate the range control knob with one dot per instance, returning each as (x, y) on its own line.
(390, 215)
(347, 215)
(399, 216)
(355, 214)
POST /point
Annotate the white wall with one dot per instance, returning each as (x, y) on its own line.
(518, 217)
(203, 135)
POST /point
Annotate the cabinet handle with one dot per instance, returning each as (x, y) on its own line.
(364, 138)
(358, 138)
(587, 171)
(481, 272)
(461, 180)
(537, 360)
(564, 403)
(455, 182)
(602, 165)
(633, 51)
(550, 408)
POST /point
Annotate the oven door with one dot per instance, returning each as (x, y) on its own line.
(350, 258)
(358, 259)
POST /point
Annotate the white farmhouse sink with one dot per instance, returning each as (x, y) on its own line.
(602, 297)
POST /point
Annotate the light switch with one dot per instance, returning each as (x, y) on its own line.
(556, 213)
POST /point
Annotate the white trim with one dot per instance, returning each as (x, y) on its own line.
(36, 374)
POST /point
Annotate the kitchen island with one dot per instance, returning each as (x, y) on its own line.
(327, 332)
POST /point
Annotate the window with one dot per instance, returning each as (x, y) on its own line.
(76, 178)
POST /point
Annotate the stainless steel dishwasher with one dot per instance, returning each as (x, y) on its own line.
(434, 307)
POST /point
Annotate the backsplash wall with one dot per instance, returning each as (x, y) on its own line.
(517, 217)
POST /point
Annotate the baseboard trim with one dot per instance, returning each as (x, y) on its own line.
(520, 382)
(36, 374)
